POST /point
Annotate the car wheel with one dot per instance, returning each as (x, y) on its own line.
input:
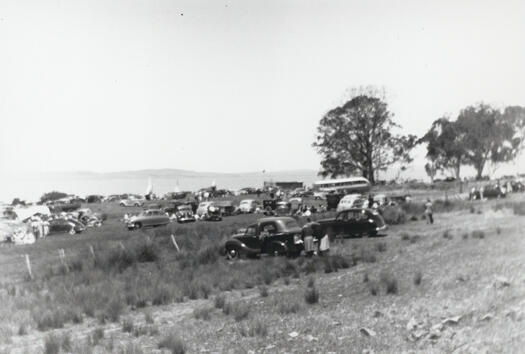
(72, 231)
(137, 204)
(372, 233)
(137, 225)
(232, 254)
(122, 204)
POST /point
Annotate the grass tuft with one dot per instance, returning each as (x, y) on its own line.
(173, 343)
(311, 295)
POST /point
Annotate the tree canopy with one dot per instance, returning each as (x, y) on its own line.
(358, 137)
(481, 134)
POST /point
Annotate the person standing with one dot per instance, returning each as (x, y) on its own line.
(429, 212)
(308, 238)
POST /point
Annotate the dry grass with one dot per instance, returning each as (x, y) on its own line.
(173, 343)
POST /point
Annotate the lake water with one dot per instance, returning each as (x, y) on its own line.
(31, 187)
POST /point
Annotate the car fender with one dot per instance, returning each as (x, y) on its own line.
(237, 244)
(279, 245)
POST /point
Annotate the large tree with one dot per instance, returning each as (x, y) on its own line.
(445, 145)
(358, 137)
(489, 137)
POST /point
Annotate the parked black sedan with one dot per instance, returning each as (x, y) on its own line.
(272, 235)
(354, 223)
(70, 226)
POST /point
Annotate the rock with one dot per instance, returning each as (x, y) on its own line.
(293, 334)
(501, 282)
(412, 324)
(438, 327)
(451, 320)
(377, 314)
(417, 335)
(487, 317)
(434, 335)
(367, 332)
(310, 338)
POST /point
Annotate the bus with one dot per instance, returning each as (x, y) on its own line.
(343, 185)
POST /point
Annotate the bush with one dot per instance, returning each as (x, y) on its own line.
(97, 335)
(51, 196)
(394, 215)
(465, 235)
(162, 295)
(147, 252)
(311, 295)
(287, 307)
(173, 343)
(48, 319)
(258, 329)
(373, 288)
(220, 301)
(263, 291)
(418, 277)
(479, 234)
(405, 236)
(367, 256)
(447, 234)
(240, 312)
(52, 344)
(389, 281)
(380, 246)
(127, 326)
(203, 313)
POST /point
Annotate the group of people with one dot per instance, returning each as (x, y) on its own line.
(312, 243)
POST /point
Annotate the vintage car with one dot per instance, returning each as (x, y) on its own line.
(273, 236)
(184, 213)
(226, 206)
(70, 226)
(148, 218)
(203, 208)
(517, 186)
(131, 202)
(354, 223)
(247, 206)
(351, 201)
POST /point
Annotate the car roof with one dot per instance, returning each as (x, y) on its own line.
(275, 218)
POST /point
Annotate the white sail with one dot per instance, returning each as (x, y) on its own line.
(149, 189)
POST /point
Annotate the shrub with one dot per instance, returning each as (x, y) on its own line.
(465, 235)
(478, 234)
(380, 246)
(288, 307)
(311, 295)
(447, 234)
(219, 301)
(405, 236)
(127, 326)
(203, 313)
(311, 282)
(394, 215)
(148, 317)
(258, 329)
(162, 295)
(263, 291)
(22, 330)
(48, 319)
(367, 256)
(389, 281)
(418, 277)
(97, 335)
(52, 344)
(365, 278)
(414, 238)
(240, 312)
(173, 343)
(147, 252)
(208, 255)
(373, 288)
(66, 343)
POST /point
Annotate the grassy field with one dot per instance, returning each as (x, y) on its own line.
(455, 286)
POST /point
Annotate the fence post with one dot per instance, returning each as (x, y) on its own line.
(28, 265)
(62, 256)
(92, 251)
(175, 243)
(122, 246)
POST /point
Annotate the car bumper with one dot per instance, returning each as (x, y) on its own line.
(382, 228)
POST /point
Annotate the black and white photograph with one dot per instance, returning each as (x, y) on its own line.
(262, 176)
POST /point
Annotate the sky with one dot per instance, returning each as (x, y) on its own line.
(235, 86)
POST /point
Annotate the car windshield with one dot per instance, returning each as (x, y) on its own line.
(246, 202)
(289, 224)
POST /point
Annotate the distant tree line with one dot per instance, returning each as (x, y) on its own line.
(360, 137)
